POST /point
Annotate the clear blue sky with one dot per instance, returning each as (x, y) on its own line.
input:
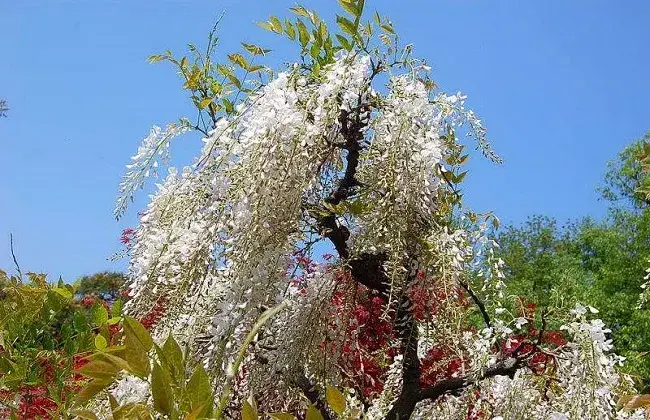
(562, 84)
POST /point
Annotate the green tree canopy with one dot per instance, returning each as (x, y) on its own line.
(626, 179)
(601, 263)
(107, 284)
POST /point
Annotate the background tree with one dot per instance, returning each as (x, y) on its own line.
(3, 108)
(106, 284)
(625, 179)
(600, 263)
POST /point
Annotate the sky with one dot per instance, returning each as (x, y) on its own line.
(562, 86)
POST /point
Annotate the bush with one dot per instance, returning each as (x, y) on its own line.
(45, 334)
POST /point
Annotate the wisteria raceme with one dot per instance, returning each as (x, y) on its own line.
(411, 319)
(153, 151)
(257, 163)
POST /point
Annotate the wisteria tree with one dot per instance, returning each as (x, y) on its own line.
(324, 214)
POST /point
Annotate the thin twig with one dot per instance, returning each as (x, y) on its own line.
(13, 255)
(478, 302)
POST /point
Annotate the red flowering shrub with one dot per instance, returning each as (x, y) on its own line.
(47, 332)
(370, 343)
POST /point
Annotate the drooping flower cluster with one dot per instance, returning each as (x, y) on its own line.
(153, 152)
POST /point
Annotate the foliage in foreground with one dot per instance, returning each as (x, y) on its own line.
(45, 334)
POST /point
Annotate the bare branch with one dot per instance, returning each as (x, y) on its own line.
(13, 255)
(506, 367)
(478, 303)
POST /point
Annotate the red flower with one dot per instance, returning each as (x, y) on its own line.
(88, 301)
(127, 236)
(35, 404)
(151, 319)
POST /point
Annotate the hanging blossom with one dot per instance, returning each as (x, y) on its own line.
(153, 152)
(461, 117)
(216, 240)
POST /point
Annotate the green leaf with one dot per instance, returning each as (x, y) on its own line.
(93, 388)
(112, 402)
(228, 106)
(110, 355)
(225, 71)
(255, 49)
(199, 389)
(80, 322)
(282, 416)
(315, 50)
(301, 11)
(459, 178)
(335, 399)
(322, 32)
(248, 412)
(84, 414)
(346, 25)
(161, 390)
(99, 370)
(313, 413)
(194, 415)
(132, 412)
(100, 314)
(349, 6)
(360, 6)
(388, 28)
(239, 60)
(137, 359)
(345, 43)
(303, 34)
(134, 328)
(289, 29)
(254, 69)
(116, 309)
(174, 358)
(266, 26)
(234, 80)
(100, 342)
(155, 58)
(64, 292)
(276, 24)
(114, 320)
(138, 343)
(205, 102)
(368, 29)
